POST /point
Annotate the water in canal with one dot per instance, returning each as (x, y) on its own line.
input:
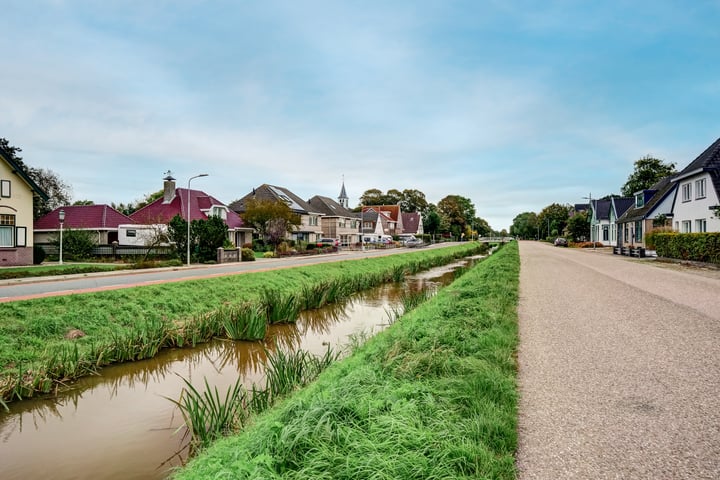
(121, 425)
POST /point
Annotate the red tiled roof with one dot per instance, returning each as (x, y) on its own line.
(160, 212)
(94, 217)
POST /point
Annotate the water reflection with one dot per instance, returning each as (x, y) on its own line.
(120, 425)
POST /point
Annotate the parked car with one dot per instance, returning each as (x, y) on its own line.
(413, 242)
(561, 242)
(328, 242)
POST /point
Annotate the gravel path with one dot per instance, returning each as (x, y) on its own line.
(619, 368)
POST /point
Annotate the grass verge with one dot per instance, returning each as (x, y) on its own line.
(135, 323)
(432, 397)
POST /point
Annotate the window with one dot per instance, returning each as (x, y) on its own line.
(700, 188)
(313, 220)
(7, 230)
(131, 233)
(21, 237)
(686, 226)
(701, 225)
(5, 188)
(606, 233)
(686, 192)
(639, 200)
(638, 231)
(218, 212)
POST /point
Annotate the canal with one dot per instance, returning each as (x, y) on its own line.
(121, 424)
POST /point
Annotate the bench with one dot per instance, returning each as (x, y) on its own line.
(625, 251)
(617, 250)
(638, 252)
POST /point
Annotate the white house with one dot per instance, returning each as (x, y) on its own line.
(696, 206)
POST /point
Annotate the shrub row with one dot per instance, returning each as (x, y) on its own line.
(700, 247)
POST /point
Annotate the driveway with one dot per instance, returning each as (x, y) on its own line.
(619, 368)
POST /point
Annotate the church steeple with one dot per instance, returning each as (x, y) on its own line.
(343, 198)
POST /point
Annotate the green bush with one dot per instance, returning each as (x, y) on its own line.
(700, 247)
(247, 255)
(38, 254)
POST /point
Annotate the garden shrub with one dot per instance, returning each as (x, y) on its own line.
(268, 255)
(700, 247)
(38, 254)
(247, 255)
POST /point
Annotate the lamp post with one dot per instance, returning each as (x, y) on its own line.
(589, 199)
(188, 215)
(362, 229)
(61, 216)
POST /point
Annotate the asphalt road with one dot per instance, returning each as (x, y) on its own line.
(619, 368)
(20, 289)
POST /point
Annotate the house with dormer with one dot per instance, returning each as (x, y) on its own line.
(696, 205)
(603, 217)
(651, 208)
(17, 194)
(390, 218)
(181, 201)
(310, 228)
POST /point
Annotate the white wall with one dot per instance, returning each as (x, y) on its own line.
(696, 208)
(138, 235)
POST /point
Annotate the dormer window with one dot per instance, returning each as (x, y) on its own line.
(219, 211)
(640, 200)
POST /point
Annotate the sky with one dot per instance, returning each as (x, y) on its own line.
(513, 104)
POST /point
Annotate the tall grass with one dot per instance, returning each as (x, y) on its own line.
(431, 397)
(279, 307)
(207, 415)
(243, 322)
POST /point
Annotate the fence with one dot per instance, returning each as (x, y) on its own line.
(117, 250)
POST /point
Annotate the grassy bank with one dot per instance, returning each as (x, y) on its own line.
(432, 397)
(135, 323)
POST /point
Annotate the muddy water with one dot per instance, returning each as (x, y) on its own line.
(121, 425)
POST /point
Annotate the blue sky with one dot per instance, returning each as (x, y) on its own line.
(512, 104)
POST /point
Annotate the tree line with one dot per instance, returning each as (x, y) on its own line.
(562, 220)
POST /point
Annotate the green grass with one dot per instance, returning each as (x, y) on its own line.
(134, 323)
(434, 396)
(65, 269)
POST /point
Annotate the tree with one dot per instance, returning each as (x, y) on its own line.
(83, 202)
(376, 197)
(59, 193)
(553, 219)
(132, 207)
(457, 211)
(206, 236)
(431, 220)
(267, 216)
(578, 226)
(413, 201)
(648, 171)
(525, 225)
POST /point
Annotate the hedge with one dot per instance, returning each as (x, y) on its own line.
(700, 247)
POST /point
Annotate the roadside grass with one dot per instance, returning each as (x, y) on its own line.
(433, 396)
(9, 273)
(135, 323)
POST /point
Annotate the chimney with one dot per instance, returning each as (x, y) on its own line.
(168, 188)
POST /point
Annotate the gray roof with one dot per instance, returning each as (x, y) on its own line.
(272, 192)
(659, 191)
(707, 161)
(330, 207)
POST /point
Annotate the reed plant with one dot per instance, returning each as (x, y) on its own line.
(279, 307)
(207, 415)
(244, 322)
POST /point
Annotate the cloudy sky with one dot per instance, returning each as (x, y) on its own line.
(512, 104)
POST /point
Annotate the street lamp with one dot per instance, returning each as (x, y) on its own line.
(362, 229)
(589, 199)
(61, 216)
(188, 215)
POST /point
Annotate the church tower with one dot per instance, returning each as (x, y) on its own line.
(343, 198)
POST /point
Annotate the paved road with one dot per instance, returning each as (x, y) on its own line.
(619, 368)
(11, 290)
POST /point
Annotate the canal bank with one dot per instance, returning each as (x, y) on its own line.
(433, 396)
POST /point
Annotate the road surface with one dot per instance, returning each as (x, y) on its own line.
(619, 368)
